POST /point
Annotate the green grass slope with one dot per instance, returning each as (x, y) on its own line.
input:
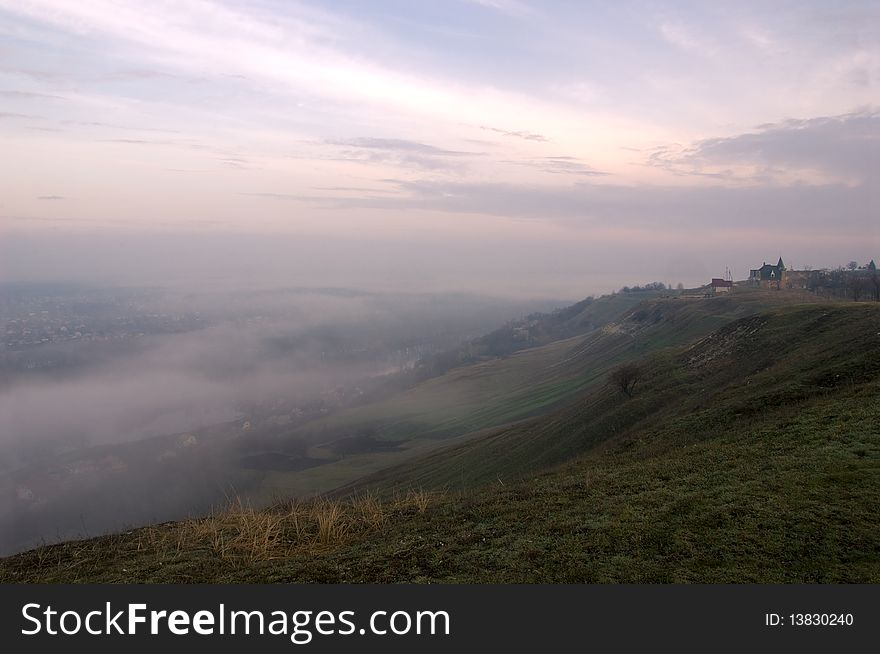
(750, 455)
(467, 401)
(749, 349)
(538, 329)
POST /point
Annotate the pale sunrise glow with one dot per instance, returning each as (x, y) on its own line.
(565, 122)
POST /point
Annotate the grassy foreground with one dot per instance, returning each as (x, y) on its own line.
(752, 455)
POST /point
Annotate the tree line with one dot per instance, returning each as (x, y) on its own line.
(851, 281)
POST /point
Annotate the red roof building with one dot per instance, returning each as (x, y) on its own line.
(721, 285)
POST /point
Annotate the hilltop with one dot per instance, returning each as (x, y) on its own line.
(749, 451)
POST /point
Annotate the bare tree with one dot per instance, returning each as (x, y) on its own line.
(857, 286)
(852, 265)
(625, 377)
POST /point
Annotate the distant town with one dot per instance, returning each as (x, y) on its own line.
(58, 315)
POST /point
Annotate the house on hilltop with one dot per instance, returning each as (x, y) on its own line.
(719, 285)
(768, 274)
(779, 277)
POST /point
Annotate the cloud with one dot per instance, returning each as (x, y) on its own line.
(509, 7)
(139, 74)
(400, 152)
(125, 128)
(562, 166)
(6, 114)
(309, 77)
(139, 141)
(350, 189)
(239, 163)
(761, 39)
(528, 136)
(400, 145)
(51, 197)
(843, 147)
(818, 209)
(41, 75)
(31, 95)
(275, 196)
(687, 38)
(300, 51)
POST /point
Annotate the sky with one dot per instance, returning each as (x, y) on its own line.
(555, 147)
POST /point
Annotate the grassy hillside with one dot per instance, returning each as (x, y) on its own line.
(467, 401)
(740, 356)
(538, 329)
(752, 454)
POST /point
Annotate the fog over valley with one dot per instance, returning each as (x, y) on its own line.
(86, 370)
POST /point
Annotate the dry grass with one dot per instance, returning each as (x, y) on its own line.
(239, 534)
(332, 521)
(237, 537)
(370, 509)
(420, 499)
